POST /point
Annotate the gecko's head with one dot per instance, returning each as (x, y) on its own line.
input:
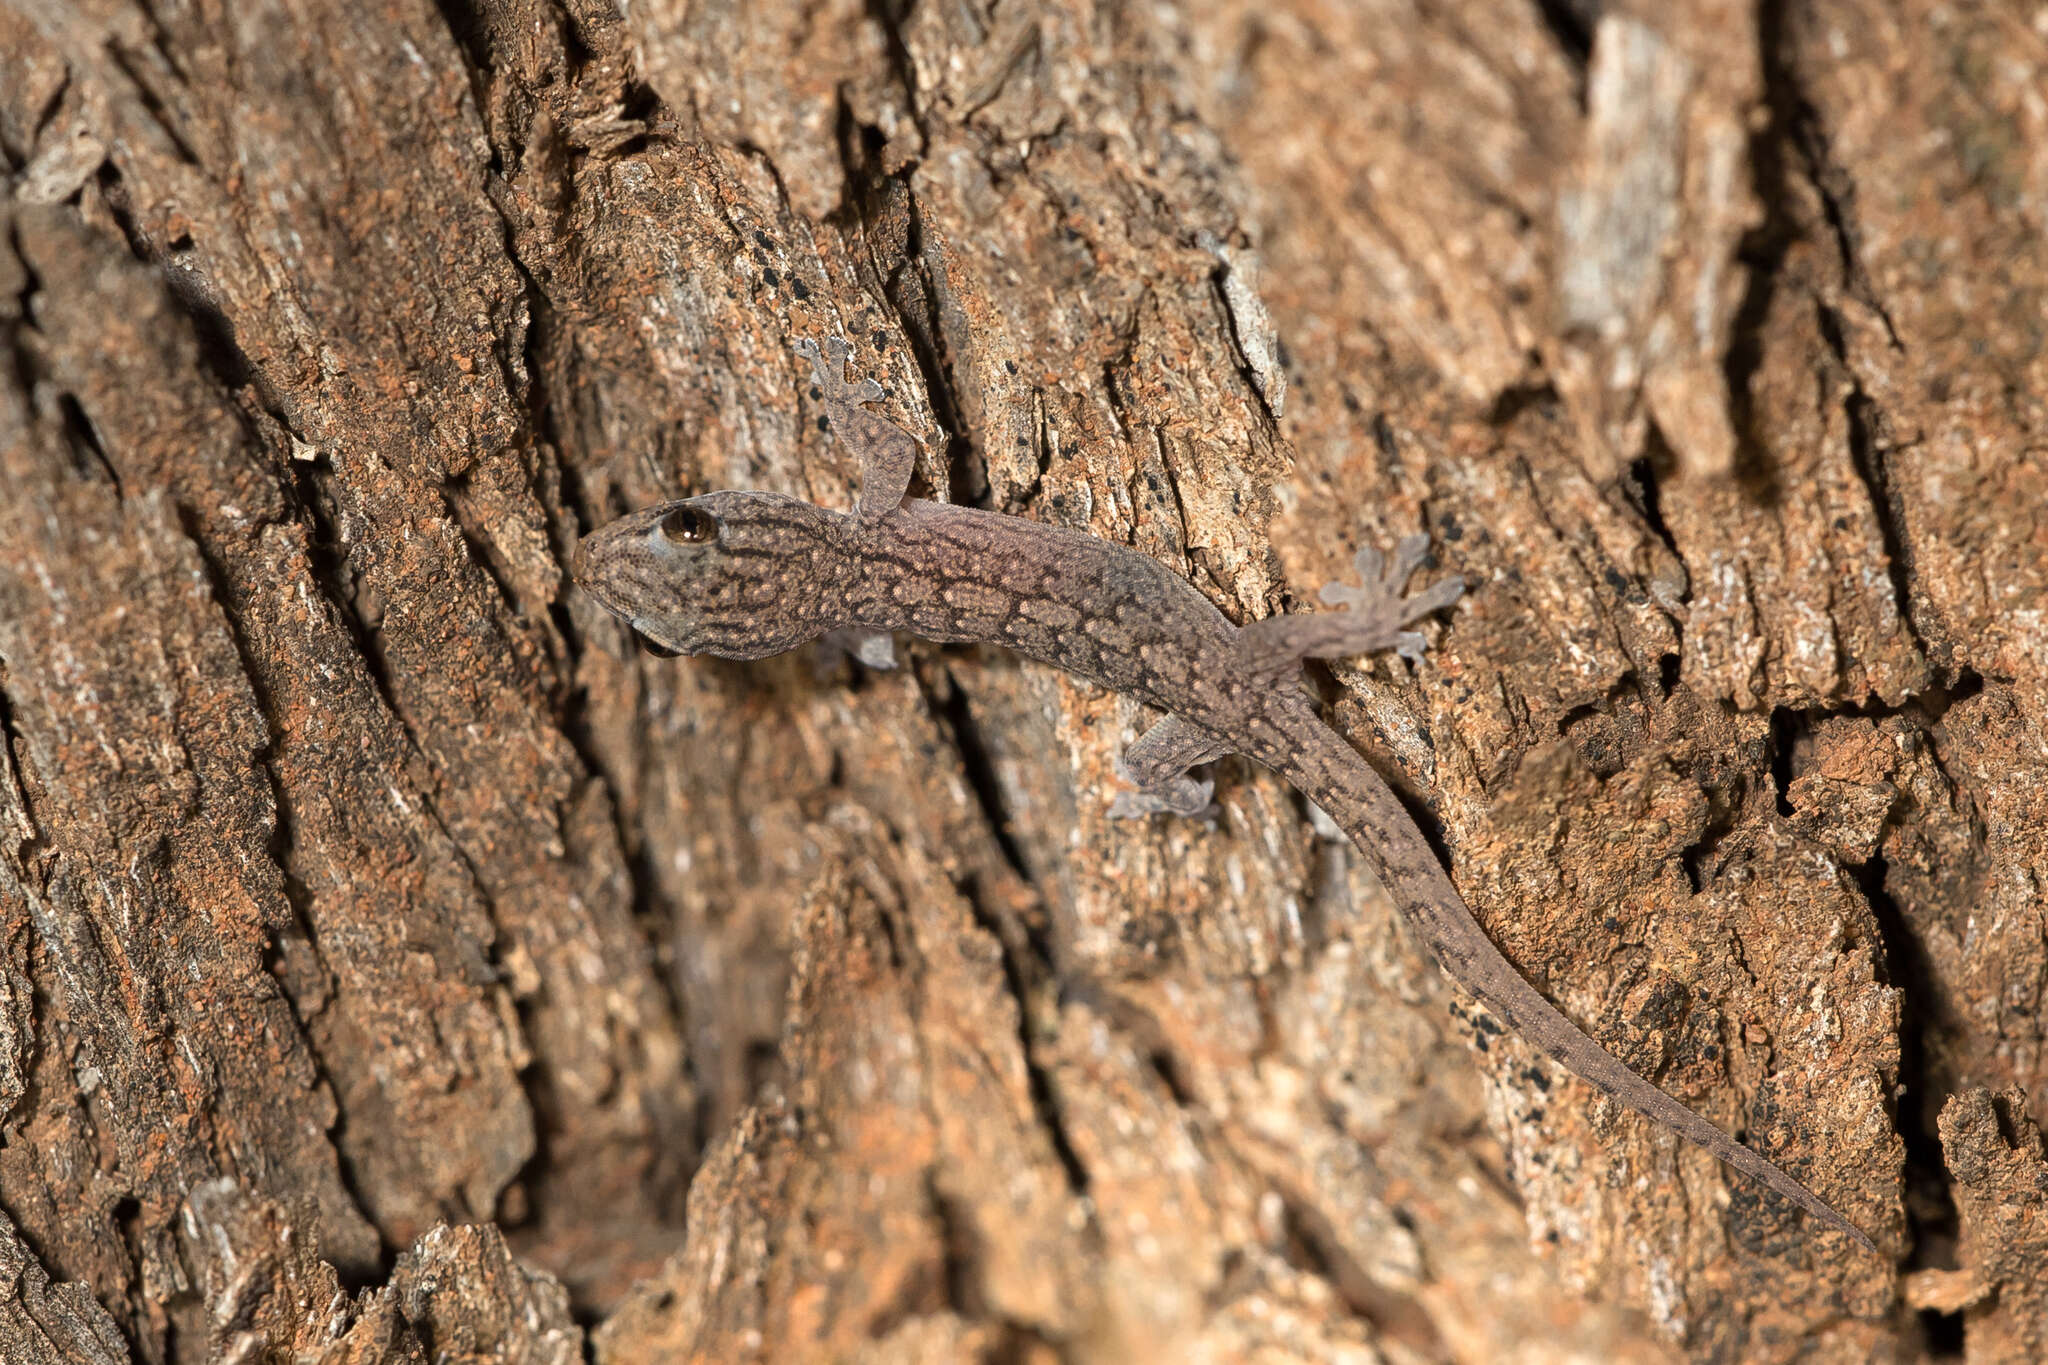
(739, 575)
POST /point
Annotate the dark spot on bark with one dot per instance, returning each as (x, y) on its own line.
(799, 288)
(1383, 435)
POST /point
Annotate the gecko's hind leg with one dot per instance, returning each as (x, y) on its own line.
(1157, 765)
(887, 453)
(1374, 617)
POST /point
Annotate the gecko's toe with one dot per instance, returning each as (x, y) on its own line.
(867, 391)
(1369, 588)
(1368, 561)
(1408, 557)
(1436, 597)
(1409, 645)
(821, 375)
(1352, 598)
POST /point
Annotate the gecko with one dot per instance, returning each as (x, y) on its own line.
(746, 575)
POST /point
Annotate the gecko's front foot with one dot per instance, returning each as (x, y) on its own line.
(887, 454)
(828, 371)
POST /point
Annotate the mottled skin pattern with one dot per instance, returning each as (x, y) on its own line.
(746, 575)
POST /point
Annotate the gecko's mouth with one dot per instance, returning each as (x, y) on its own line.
(652, 645)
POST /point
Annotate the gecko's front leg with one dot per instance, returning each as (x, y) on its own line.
(868, 648)
(887, 453)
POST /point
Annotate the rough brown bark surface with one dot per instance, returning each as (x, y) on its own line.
(395, 966)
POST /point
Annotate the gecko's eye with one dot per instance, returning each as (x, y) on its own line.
(656, 647)
(688, 525)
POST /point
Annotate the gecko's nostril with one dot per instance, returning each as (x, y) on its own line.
(579, 564)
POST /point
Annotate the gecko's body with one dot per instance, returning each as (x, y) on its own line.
(746, 575)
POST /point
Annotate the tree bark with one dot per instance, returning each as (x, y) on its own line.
(398, 966)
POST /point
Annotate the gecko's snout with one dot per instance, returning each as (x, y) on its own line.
(593, 565)
(579, 564)
(619, 564)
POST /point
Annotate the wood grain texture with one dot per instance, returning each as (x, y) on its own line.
(395, 966)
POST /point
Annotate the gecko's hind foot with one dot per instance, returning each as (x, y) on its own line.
(1373, 618)
(1185, 796)
(828, 371)
(1379, 584)
(1373, 574)
(1157, 765)
(1378, 602)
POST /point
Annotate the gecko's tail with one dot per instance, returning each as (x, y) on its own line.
(1353, 795)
